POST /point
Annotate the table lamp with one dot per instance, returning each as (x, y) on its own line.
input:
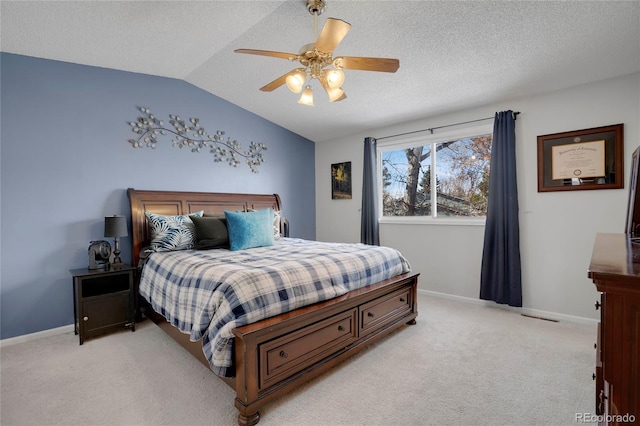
(115, 226)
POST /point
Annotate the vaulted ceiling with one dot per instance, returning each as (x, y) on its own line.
(452, 54)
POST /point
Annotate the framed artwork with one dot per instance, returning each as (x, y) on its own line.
(341, 181)
(581, 159)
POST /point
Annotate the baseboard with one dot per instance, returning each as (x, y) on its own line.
(555, 316)
(527, 311)
(38, 335)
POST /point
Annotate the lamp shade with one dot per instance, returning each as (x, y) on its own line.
(335, 94)
(335, 78)
(296, 80)
(115, 226)
(307, 96)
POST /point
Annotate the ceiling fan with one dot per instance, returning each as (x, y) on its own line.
(317, 60)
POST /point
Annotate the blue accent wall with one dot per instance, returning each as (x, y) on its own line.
(66, 164)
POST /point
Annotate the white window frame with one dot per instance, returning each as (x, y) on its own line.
(402, 142)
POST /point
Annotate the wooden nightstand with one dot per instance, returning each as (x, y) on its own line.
(103, 300)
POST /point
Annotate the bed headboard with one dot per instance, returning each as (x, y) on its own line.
(174, 203)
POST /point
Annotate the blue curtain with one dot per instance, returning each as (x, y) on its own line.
(369, 219)
(501, 279)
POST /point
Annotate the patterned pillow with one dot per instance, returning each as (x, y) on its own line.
(277, 214)
(170, 233)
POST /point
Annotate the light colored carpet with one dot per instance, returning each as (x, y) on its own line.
(462, 364)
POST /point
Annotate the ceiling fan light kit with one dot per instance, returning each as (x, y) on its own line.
(296, 79)
(336, 94)
(307, 96)
(335, 78)
(318, 61)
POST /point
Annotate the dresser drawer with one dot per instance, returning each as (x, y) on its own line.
(385, 309)
(285, 356)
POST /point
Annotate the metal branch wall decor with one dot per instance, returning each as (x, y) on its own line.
(190, 134)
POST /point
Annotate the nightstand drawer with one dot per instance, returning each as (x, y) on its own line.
(105, 312)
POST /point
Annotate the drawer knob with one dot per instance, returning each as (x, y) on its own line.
(597, 305)
(595, 346)
(85, 319)
(340, 328)
(402, 299)
(593, 376)
(283, 354)
(370, 314)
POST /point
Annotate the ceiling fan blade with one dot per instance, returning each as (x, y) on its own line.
(332, 34)
(269, 87)
(367, 64)
(282, 55)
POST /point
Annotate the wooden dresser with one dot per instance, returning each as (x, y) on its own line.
(615, 270)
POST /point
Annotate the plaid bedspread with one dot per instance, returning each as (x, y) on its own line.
(208, 293)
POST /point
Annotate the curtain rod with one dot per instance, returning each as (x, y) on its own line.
(431, 129)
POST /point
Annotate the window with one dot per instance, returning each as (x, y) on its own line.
(451, 168)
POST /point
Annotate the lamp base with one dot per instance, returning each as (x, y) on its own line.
(116, 257)
(116, 253)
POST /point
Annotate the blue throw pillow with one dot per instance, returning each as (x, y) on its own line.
(250, 229)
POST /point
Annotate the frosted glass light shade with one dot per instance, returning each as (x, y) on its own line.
(296, 80)
(334, 94)
(335, 78)
(307, 96)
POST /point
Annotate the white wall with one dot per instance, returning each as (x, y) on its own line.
(557, 229)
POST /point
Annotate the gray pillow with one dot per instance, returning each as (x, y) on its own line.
(212, 232)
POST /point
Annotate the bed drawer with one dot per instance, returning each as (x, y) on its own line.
(385, 309)
(284, 356)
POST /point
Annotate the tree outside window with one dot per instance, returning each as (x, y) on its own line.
(454, 173)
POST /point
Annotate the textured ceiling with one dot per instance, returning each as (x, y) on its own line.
(452, 54)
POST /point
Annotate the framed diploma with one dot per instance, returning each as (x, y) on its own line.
(581, 159)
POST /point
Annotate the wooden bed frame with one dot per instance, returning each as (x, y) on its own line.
(278, 354)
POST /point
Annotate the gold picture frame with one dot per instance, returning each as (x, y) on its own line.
(582, 159)
(341, 181)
